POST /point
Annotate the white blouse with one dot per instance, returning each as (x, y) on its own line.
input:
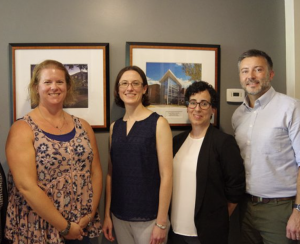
(184, 187)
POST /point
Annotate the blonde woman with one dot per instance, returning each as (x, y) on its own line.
(55, 177)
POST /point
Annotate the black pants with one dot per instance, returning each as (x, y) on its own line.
(180, 239)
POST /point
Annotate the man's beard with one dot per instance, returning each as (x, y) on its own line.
(264, 86)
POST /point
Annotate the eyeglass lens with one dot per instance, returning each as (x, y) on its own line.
(202, 104)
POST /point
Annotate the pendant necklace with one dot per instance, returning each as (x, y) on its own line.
(55, 126)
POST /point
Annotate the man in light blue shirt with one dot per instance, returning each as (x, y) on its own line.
(267, 130)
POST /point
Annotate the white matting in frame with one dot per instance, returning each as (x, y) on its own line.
(140, 54)
(93, 55)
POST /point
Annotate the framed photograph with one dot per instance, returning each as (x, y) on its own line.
(171, 68)
(87, 64)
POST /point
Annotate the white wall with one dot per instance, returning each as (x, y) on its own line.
(292, 16)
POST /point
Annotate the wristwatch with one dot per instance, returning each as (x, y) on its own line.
(163, 227)
(297, 206)
(66, 230)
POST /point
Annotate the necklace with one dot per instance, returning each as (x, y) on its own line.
(55, 126)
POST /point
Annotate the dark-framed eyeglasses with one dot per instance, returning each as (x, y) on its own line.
(203, 104)
(134, 84)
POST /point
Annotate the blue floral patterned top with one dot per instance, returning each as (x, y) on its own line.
(63, 170)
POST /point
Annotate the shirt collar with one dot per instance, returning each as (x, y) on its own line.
(263, 100)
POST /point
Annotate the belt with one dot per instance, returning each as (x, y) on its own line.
(255, 199)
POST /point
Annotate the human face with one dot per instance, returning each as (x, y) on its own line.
(255, 76)
(52, 86)
(198, 116)
(131, 94)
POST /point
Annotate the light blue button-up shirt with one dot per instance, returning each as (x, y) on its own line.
(269, 139)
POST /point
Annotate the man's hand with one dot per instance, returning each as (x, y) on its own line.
(293, 226)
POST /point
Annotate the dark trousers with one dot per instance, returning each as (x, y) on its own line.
(180, 239)
(265, 223)
(85, 240)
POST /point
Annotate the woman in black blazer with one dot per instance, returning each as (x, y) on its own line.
(209, 177)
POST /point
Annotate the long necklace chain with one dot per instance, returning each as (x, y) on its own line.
(55, 126)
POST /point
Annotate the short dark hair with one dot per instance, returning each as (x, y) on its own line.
(256, 53)
(145, 98)
(200, 86)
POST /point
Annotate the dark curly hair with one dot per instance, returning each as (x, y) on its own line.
(200, 86)
(145, 98)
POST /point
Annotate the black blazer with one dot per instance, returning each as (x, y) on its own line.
(220, 179)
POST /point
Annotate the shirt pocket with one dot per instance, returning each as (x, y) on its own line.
(273, 140)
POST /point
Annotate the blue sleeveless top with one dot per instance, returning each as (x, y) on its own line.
(135, 174)
(64, 137)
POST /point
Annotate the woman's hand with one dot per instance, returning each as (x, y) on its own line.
(107, 229)
(76, 232)
(158, 235)
(83, 222)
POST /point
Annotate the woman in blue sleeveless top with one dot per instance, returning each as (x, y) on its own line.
(139, 179)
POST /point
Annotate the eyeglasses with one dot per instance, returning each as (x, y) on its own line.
(203, 104)
(134, 84)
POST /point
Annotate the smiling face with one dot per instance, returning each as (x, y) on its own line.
(198, 116)
(131, 94)
(52, 86)
(255, 76)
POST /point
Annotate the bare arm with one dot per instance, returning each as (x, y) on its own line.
(107, 225)
(165, 160)
(23, 168)
(96, 175)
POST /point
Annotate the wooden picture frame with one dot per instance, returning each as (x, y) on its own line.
(93, 57)
(159, 61)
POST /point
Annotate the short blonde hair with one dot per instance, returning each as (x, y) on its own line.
(35, 79)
